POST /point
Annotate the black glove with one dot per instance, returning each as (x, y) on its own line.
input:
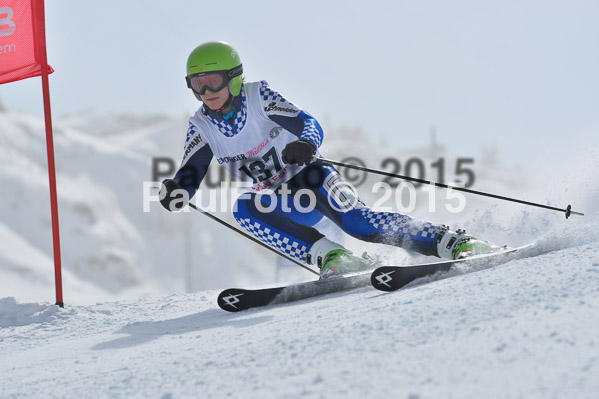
(172, 201)
(298, 152)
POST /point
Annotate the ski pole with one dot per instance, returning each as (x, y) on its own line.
(568, 210)
(246, 235)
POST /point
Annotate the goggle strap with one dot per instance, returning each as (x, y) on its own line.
(238, 70)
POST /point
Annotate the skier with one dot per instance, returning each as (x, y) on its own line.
(262, 138)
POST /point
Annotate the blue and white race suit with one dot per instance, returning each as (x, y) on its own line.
(249, 142)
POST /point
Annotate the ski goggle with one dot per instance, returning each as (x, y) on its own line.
(213, 81)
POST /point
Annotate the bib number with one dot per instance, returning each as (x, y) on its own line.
(258, 170)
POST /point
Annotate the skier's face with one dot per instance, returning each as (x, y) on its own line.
(215, 100)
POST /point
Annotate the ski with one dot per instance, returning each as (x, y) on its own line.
(391, 278)
(238, 299)
(385, 278)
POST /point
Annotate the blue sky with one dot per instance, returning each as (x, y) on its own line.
(517, 75)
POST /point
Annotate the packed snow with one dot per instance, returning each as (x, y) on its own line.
(527, 328)
(523, 329)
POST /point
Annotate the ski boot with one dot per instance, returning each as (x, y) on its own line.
(459, 245)
(332, 259)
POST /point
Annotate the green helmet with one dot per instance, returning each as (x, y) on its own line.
(216, 57)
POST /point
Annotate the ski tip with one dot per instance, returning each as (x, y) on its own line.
(230, 300)
(385, 278)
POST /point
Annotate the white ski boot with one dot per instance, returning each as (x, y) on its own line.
(333, 259)
(459, 245)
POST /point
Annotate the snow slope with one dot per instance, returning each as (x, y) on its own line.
(525, 329)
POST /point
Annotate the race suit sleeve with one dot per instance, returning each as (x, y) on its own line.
(289, 116)
(196, 159)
